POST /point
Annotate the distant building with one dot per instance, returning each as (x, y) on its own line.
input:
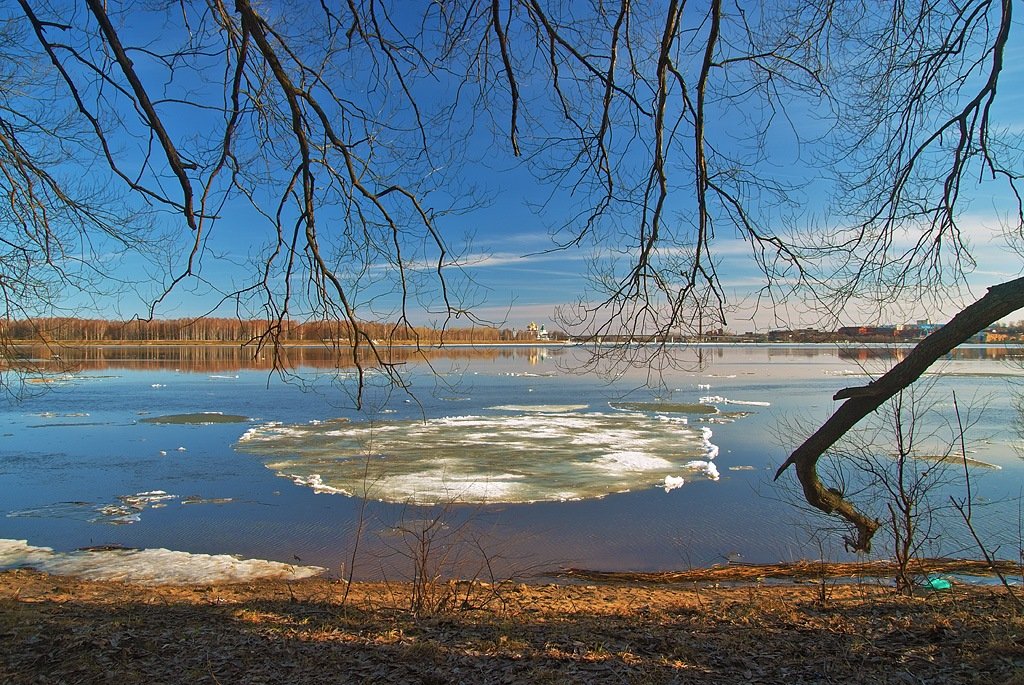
(901, 332)
(992, 336)
(536, 332)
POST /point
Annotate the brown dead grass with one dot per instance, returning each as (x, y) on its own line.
(66, 630)
(801, 570)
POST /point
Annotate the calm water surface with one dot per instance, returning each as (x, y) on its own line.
(533, 464)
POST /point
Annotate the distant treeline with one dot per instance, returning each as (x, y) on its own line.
(237, 330)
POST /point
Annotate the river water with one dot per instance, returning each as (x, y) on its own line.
(504, 459)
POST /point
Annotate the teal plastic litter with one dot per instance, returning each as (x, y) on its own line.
(938, 584)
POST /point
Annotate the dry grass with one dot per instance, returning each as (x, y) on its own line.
(56, 629)
(800, 570)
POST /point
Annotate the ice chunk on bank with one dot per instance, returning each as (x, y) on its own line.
(148, 566)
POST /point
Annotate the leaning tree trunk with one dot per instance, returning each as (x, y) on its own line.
(999, 301)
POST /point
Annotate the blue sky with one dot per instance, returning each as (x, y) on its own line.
(503, 232)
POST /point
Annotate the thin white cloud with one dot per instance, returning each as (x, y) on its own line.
(486, 260)
(720, 247)
(516, 315)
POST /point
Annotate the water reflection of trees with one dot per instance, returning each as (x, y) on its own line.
(804, 352)
(219, 358)
(980, 353)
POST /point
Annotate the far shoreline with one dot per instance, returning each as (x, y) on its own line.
(488, 343)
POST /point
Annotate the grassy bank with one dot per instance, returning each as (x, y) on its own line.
(59, 629)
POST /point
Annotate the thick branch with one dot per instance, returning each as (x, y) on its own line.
(178, 166)
(513, 87)
(999, 301)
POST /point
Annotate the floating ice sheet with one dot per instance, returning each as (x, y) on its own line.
(148, 566)
(718, 399)
(127, 509)
(540, 408)
(522, 455)
(200, 418)
(667, 407)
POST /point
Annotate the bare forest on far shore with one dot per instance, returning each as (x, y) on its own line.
(235, 330)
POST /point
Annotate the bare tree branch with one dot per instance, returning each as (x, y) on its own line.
(1000, 301)
(178, 166)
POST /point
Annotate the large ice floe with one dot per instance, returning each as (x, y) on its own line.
(521, 454)
(148, 566)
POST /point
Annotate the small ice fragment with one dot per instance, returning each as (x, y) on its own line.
(181, 449)
(158, 385)
(703, 386)
(711, 470)
(708, 467)
(673, 482)
(163, 453)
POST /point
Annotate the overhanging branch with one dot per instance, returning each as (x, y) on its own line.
(999, 301)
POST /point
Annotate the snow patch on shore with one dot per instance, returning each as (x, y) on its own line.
(148, 566)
